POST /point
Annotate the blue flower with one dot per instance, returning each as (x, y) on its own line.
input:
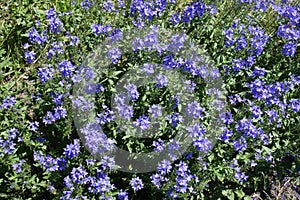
(66, 68)
(158, 145)
(7, 146)
(195, 110)
(60, 112)
(35, 37)
(34, 126)
(164, 167)
(107, 163)
(122, 195)
(95, 139)
(177, 42)
(100, 29)
(55, 24)
(174, 119)
(190, 85)
(241, 43)
(256, 112)
(56, 49)
(108, 6)
(162, 81)
(92, 88)
(114, 54)
(148, 69)
(156, 179)
(74, 41)
(227, 118)
(108, 116)
(143, 122)
(17, 167)
(132, 91)
(125, 111)
(226, 135)
(79, 175)
(294, 104)
(240, 145)
(30, 56)
(8, 102)
(12, 133)
(175, 18)
(136, 184)
(196, 130)
(49, 163)
(72, 150)
(200, 8)
(155, 111)
(258, 72)
(188, 14)
(45, 74)
(86, 4)
(169, 62)
(100, 184)
(202, 144)
(50, 13)
(240, 176)
(289, 49)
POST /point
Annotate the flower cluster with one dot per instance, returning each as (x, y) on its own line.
(45, 73)
(8, 102)
(205, 142)
(49, 163)
(59, 113)
(55, 25)
(291, 30)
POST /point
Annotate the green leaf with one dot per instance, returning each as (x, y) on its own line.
(229, 194)
(211, 157)
(240, 193)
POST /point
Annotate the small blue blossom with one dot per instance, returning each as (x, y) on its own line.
(74, 41)
(240, 145)
(162, 81)
(122, 195)
(45, 74)
(143, 122)
(136, 184)
(289, 49)
(155, 111)
(13, 133)
(55, 24)
(86, 4)
(164, 167)
(196, 130)
(8, 102)
(132, 91)
(35, 37)
(66, 68)
(108, 6)
(30, 56)
(50, 13)
(295, 105)
(72, 150)
(202, 144)
(34, 126)
(240, 176)
(158, 145)
(101, 29)
(195, 110)
(175, 18)
(18, 166)
(114, 54)
(226, 135)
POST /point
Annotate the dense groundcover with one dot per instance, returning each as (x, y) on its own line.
(238, 61)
